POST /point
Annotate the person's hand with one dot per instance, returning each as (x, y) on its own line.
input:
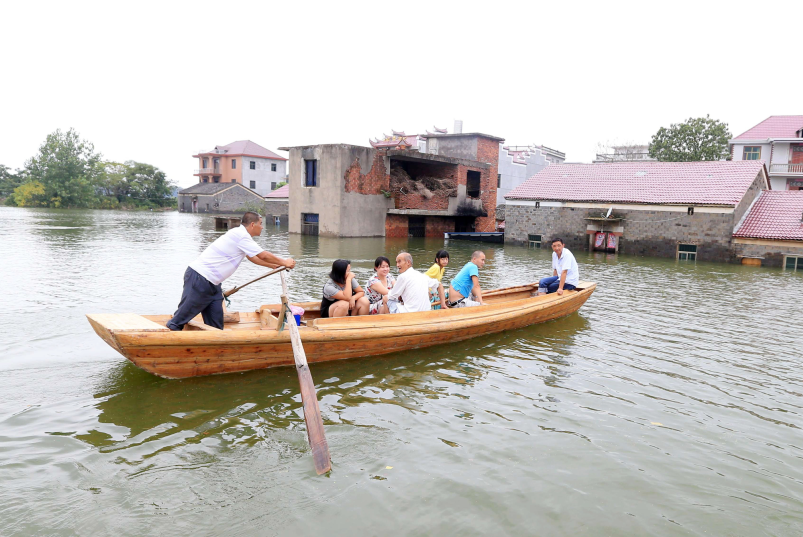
(350, 276)
(290, 263)
(384, 299)
(444, 306)
(352, 303)
(560, 292)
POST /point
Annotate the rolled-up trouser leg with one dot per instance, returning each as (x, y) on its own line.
(197, 295)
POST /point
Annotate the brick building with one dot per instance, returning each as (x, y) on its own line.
(771, 233)
(399, 191)
(277, 204)
(687, 210)
(243, 162)
(219, 198)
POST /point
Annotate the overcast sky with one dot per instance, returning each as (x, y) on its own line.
(157, 81)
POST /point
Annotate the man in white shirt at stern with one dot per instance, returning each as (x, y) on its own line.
(202, 290)
(565, 276)
(412, 287)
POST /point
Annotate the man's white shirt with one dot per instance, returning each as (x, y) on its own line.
(222, 257)
(568, 263)
(413, 287)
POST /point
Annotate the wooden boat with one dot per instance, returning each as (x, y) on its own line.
(251, 340)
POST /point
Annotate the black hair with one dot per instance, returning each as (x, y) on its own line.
(440, 255)
(557, 240)
(338, 273)
(381, 259)
(248, 218)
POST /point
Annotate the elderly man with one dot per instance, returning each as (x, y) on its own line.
(202, 291)
(464, 289)
(412, 288)
(565, 275)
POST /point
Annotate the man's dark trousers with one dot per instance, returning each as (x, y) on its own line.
(199, 296)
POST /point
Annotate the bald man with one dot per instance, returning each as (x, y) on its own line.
(412, 287)
(465, 290)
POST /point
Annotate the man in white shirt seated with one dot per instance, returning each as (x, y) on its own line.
(202, 290)
(565, 275)
(412, 288)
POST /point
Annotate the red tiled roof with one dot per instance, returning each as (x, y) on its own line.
(774, 127)
(281, 192)
(693, 183)
(247, 148)
(777, 214)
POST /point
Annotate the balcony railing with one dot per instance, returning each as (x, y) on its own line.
(791, 169)
(208, 171)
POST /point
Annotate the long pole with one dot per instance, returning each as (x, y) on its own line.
(235, 289)
(309, 398)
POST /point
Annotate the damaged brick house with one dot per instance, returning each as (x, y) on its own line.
(352, 191)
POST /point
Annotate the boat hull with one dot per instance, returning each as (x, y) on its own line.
(198, 353)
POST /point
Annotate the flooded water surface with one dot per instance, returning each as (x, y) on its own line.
(670, 404)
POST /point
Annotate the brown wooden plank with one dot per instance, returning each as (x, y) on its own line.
(126, 322)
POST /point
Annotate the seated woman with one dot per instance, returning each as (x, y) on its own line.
(436, 272)
(378, 285)
(342, 295)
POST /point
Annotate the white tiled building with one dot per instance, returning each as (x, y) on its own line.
(778, 141)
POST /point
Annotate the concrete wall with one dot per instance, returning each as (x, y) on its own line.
(773, 252)
(779, 183)
(341, 213)
(277, 207)
(646, 231)
(262, 175)
(759, 184)
(766, 150)
(464, 147)
(514, 174)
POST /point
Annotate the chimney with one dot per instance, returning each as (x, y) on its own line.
(458, 126)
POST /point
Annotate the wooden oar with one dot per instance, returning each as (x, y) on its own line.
(235, 289)
(309, 398)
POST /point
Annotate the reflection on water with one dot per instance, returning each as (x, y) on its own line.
(670, 404)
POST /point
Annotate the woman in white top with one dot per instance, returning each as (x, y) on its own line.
(379, 285)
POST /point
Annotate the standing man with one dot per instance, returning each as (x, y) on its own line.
(202, 291)
(464, 289)
(412, 287)
(565, 275)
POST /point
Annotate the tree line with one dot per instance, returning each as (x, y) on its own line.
(67, 172)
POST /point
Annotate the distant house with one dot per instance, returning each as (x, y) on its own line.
(277, 204)
(218, 198)
(778, 141)
(686, 210)
(772, 230)
(626, 153)
(243, 162)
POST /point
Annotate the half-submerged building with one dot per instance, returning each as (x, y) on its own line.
(396, 191)
(687, 210)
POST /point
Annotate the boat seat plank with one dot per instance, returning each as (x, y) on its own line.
(201, 326)
(126, 322)
(583, 285)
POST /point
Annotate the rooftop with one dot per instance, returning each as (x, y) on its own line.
(245, 148)
(673, 183)
(774, 127)
(208, 188)
(281, 192)
(464, 134)
(777, 214)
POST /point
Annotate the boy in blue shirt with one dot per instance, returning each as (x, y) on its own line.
(464, 289)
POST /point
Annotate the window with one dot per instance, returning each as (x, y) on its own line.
(499, 180)
(311, 173)
(253, 185)
(687, 252)
(309, 224)
(534, 241)
(234, 180)
(216, 179)
(537, 204)
(253, 165)
(473, 184)
(207, 206)
(206, 179)
(206, 163)
(416, 226)
(273, 186)
(793, 262)
(751, 152)
(273, 167)
(234, 164)
(690, 211)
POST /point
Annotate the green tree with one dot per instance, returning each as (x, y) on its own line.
(8, 181)
(280, 185)
(30, 194)
(695, 139)
(136, 184)
(68, 169)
